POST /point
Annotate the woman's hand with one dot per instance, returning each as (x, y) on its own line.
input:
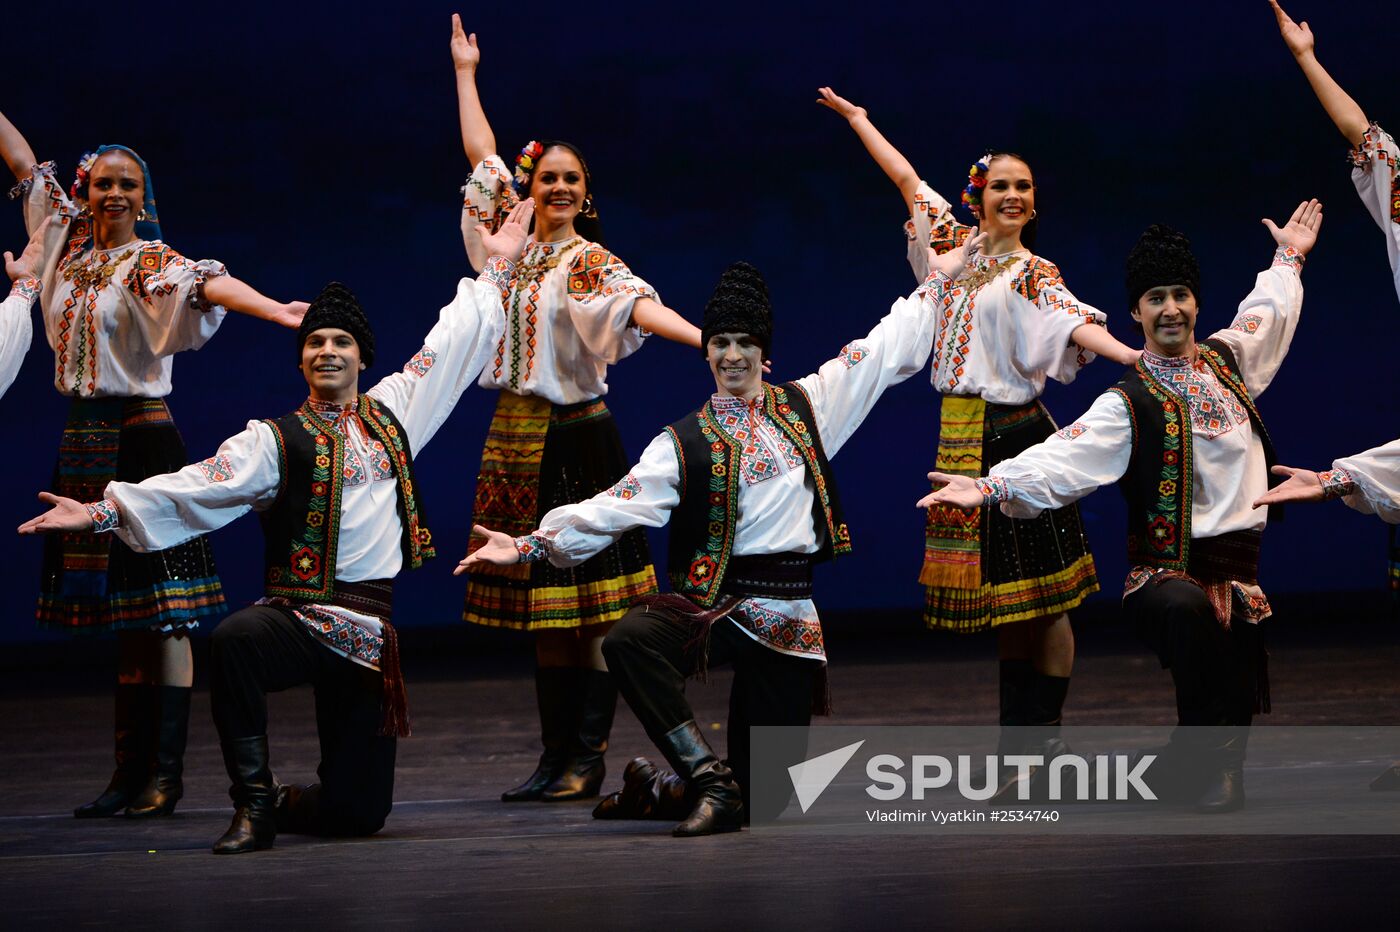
(290, 314)
(958, 491)
(952, 262)
(498, 549)
(834, 101)
(465, 54)
(1300, 231)
(509, 241)
(27, 265)
(1298, 38)
(67, 514)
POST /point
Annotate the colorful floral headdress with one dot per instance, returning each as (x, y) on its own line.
(976, 181)
(525, 166)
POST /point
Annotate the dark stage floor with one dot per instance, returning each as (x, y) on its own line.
(452, 856)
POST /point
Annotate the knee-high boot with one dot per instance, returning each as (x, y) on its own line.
(719, 805)
(583, 773)
(165, 787)
(132, 733)
(254, 794)
(555, 693)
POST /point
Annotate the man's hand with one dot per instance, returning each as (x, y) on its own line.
(66, 515)
(1302, 485)
(1298, 38)
(509, 241)
(27, 265)
(465, 55)
(1300, 231)
(958, 491)
(498, 549)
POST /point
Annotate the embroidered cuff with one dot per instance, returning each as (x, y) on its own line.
(1289, 256)
(1371, 143)
(498, 272)
(532, 548)
(204, 270)
(104, 514)
(1336, 483)
(27, 288)
(994, 489)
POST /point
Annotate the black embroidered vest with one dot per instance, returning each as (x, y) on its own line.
(703, 524)
(301, 530)
(1158, 482)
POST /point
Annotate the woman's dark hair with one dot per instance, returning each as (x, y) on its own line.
(586, 224)
(1032, 227)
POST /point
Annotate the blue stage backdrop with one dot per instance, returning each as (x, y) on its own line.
(301, 145)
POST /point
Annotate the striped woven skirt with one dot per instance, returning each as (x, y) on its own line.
(984, 569)
(539, 456)
(94, 582)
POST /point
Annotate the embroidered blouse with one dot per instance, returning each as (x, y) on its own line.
(15, 329)
(1005, 327)
(1370, 481)
(775, 491)
(243, 475)
(568, 305)
(1376, 174)
(1228, 473)
(114, 317)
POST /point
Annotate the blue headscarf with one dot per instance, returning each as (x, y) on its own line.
(145, 229)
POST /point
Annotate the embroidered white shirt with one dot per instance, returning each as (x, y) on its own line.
(15, 328)
(1375, 170)
(1376, 474)
(568, 304)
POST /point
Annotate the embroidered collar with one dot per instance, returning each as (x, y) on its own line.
(330, 411)
(731, 404)
(1168, 362)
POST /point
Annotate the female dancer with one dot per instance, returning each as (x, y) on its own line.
(117, 304)
(572, 309)
(1010, 323)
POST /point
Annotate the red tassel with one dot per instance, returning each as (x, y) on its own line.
(395, 701)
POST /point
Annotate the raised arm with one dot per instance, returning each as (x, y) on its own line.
(653, 316)
(1345, 112)
(15, 148)
(237, 295)
(477, 138)
(890, 159)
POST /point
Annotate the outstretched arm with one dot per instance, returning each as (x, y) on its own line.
(890, 159)
(15, 149)
(477, 138)
(66, 514)
(499, 549)
(237, 295)
(1096, 339)
(1345, 112)
(653, 316)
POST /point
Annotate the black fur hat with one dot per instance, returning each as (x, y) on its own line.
(739, 305)
(1162, 256)
(336, 307)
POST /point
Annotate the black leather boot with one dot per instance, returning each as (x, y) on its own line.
(647, 793)
(1044, 704)
(165, 787)
(554, 691)
(254, 793)
(296, 808)
(719, 804)
(1224, 790)
(134, 706)
(583, 773)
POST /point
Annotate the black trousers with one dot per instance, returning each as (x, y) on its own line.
(1217, 672)
(264, 649)
(652, 651)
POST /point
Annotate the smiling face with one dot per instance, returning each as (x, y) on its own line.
(330, 361)
(1008, 198)
(558, 186)
(116, 189)
(1168, 317)
(736, 362)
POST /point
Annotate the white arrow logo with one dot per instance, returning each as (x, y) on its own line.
(811, 777)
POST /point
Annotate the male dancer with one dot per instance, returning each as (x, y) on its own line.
(1182, 434)
(341, 513)
(746, 485)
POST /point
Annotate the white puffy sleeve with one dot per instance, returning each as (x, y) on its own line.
(1263, 326)
(601, 294)
(644, 497)
(174, 507)
(931, 226)
(1375, 476)
(424, 393)
(844, 390)
(1376, 174)
(486, 198)
(16, 330)
(45, 197)
(1090, 453)
(1044, 338)
(171, 313)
